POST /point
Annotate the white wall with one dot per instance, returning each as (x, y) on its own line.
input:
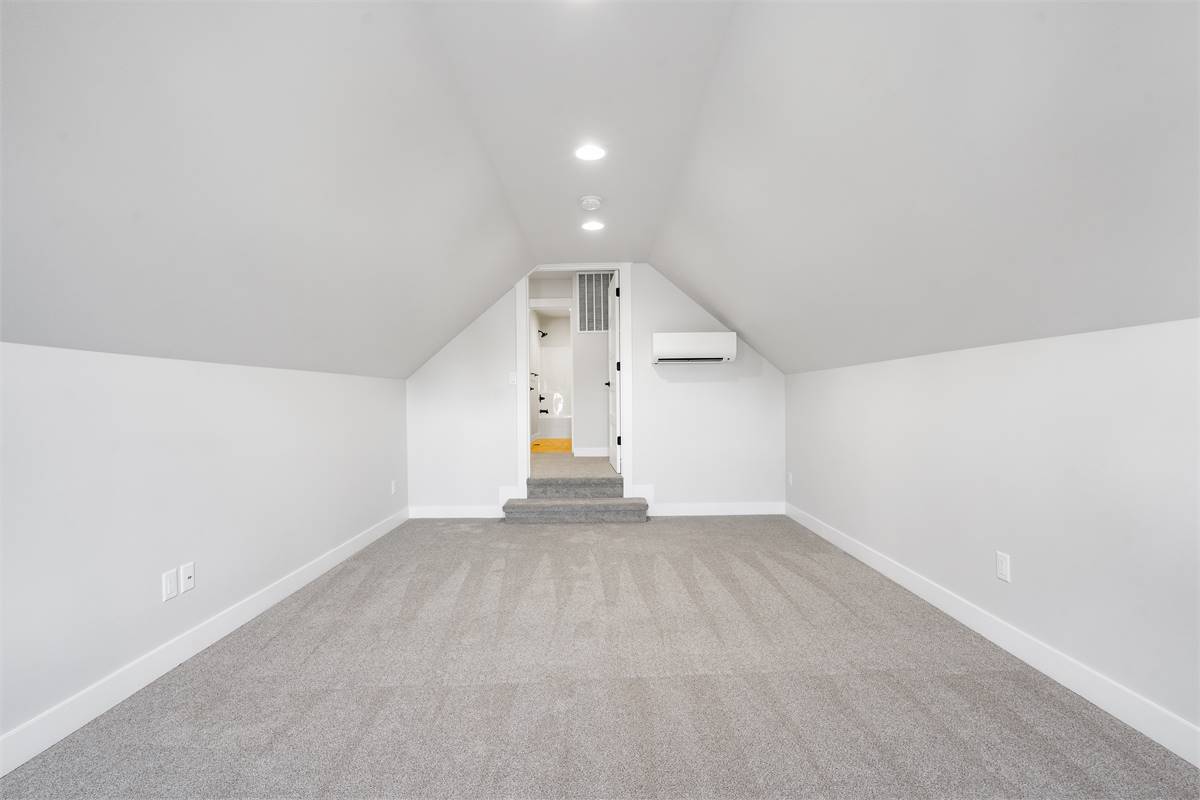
(462, 419)
(555, 372)
(534, 372)
(590, 371)
(549, 286)
(117, 468)
(1076, 455)
(706, 437)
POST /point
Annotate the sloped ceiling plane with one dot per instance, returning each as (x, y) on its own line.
(343, 187)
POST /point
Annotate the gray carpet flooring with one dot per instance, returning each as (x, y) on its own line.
(715, 657)
(565, 465)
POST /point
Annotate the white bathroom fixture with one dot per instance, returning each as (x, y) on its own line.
(690, 348)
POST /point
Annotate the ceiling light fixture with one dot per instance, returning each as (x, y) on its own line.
(589, 152)
(590, 202)
(593, 225)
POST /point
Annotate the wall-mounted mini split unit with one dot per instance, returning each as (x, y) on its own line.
(693, 348)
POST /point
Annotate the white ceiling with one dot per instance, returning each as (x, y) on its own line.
(343, 187)
(540, 78)
(286, 185)
(869, 182)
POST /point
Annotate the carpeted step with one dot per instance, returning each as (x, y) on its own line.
(576, 487)
(576, 509)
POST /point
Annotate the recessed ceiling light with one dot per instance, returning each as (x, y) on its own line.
(589, 152)
(593, 225)
(590, 202)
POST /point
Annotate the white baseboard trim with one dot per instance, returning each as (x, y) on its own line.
(455, 512)
(33, 736)
(589, 452)
(1162, 725)
(714, 509)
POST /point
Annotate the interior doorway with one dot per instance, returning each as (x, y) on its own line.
(550, 374)
(574, 382)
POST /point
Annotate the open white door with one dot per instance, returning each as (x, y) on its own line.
(614, 373)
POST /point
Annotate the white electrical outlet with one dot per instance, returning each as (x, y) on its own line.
(187, 577)
(789, 478)
(1003, 567)
(393, 486)
(170, 584)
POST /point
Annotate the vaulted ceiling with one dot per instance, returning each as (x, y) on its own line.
(875, 181)
(344, 186)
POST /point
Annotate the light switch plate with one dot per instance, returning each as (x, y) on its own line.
(187, 577)
(170, 584)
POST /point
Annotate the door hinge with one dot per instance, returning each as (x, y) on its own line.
(618, 291)
(618, 366)
(618, 441)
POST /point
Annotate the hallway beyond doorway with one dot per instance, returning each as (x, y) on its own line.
(565, 465)
(550, 446)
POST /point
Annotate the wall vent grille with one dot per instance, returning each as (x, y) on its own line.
(593, 301)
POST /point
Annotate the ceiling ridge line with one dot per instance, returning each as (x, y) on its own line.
(735, 14)
(471, 120)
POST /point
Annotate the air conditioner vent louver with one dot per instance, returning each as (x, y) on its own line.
(593, 301)
(694, 348)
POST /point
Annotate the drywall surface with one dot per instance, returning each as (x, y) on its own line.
(1076, 455)
(703, 433)
(590, 371)
(277, 184)
(705, 438)
(540, 77)
(117, 468)
(549, 286)
(554, 375)
(535, 371)
(870, 181)
(462, 418)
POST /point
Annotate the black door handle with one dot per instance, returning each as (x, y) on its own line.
(608, 383)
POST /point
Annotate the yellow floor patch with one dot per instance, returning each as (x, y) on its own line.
(550, 446)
